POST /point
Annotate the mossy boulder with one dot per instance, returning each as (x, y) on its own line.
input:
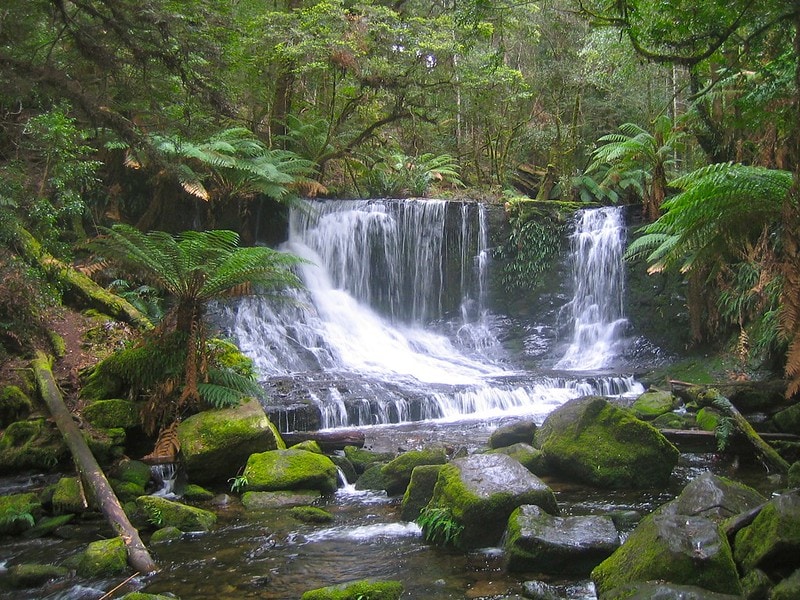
(787, 589)
(265, 500)
(68, 496)
(103, 558)
(419, 491)
(595, 442)
(677, 549)
(654, 403)
(772, 541)
(372, 479)
(538, 542)
(309, 445)
(529, 457)
(714, 497)
(48, 525)
(197, 493)
(108, 414)
(162, 512)
(14, 405)
(756, 585)
(516, 433)
(357, 590)
(31, 445)
(670, 420)
(134, 471)
(481, 491)
(311, 514)
(397, 472)
(788, 419)
(216, 443)
(290, 470)
(363, 459)
(166, 534)
(28, 575)
(18, 512)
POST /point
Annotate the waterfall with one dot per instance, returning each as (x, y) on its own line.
(596, 309)
(393, 323)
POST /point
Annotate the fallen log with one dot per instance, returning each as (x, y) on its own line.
(327, 440)
(699, 441)
(91, 473)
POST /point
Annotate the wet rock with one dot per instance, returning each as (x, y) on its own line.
(654, 403)
(107, 414)
(372, 479)
(670, 420)
(311, 514)
(290, 470)
(521, 432)
(165, 534)
(663, 591)
(541, 543)
(419, 491)
(677, 549)
(397, 472)
(481, 491)
(539, 590)
(788, 420)
(529, 457)
(772, 541)
(68, 497)
(33, 575)
(262, 500)
(216, 443)
(592, 441)
(756, 585)
(714, 497)
(163, 513)
(103, 558)
(788, 589)
(363, 459)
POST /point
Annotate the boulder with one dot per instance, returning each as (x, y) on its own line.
(29, 575)
(362, 459)
(539, 590)
(419, 491)
(34, 445)
(593, 441)
(103, 558)
(166, 534)
(714, 497)
(787, 589)
(311, 514)
(516, 433)
(481, 491)
(788, 419)
(397, 472)
(14, 405)
(107, 414)
(673, 548)
(290, 470)
(162, 512)
(371, 479)
(651, 590)
(357, 590)
(529, 457)
(68, 496)
(654, 403)
(538, 542)
(263, 500)
(18, 512)
(670, 420)
(216, 443)
(772, 541)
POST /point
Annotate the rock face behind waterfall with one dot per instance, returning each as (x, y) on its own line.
(482, 491)
(592, 441)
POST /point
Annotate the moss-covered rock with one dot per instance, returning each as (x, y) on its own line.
(68, 496)
(397, 472)
(345, 466)
(794, 475)
(197, 493)
(756, 585)
(166, 534)
(290, 470)
(311, 514)
(516, 433)
(265, 500)
(103, 558)
(357, 590)
(308, 445)
(676, 549)
(788, 419)
(541, 543)
(134, 471)
(772, 541)
(14, 405)
(529, 457)
(714, 497)
(363, 459)
(372, 478)
(216, 443)
(29, 575)
(18, 512)
(591, 440)
(48, 525)
(109, 414)
(654, 403)
(708, 418)
(787, 589)
(419, 491)
(481, 491)
(670, 420)
(31, 445)
(164, 513)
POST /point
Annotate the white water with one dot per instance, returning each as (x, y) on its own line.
(596, 309)
(393, 325)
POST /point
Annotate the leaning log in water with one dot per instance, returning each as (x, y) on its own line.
(138, 556)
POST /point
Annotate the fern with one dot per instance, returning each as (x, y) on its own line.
(439, 526)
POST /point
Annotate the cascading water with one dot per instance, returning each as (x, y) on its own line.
(392, 325)
(596, 309)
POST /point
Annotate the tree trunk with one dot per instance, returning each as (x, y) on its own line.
(138, 556)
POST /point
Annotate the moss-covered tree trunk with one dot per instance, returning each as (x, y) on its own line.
(138, 556)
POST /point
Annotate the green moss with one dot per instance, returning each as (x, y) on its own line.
(133, 471)
(669, 420)
(21, 433)
(525, 454)
(165, 534)
(197, 493)
(363, 459)
(419, 491)
(397, 472)
(126, 491)
(107, 445)
(163, 513)
(372, 479)
(708, 418)
(787, 589)
(14, 405)
(58, 344)
(17, 512)
(106, 414)
(48, 525)
(654, 403)
(103, 558)
(311, 514)
(365, 589)
(773, 536)
(68, 496)
(34, 575)
(290, 470)
(309, 446)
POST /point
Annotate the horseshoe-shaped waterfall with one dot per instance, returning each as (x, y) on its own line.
(393, 324)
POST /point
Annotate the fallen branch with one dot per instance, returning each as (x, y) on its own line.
(138, 556)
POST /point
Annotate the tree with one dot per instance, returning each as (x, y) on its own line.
(636, 154)
(174, 365)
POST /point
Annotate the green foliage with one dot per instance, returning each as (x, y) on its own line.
(400, 176)
(144, 298)
(239, 483)
(439, 526)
